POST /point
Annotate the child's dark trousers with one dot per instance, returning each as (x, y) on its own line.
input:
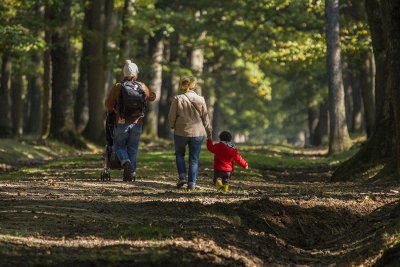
(222, 175)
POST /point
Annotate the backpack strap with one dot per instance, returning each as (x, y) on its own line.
(193, 105)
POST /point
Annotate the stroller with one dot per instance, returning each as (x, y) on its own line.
(111, 160)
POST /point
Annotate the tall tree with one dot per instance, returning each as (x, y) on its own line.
(391, 26)
(47, 88)
(357, 104)
(367, 91)
(94, 130)
(339, 139)
(170, 84)
(61, 109)
(321, 136)
(197, 60)
(110, 26)
(17, 85)
(5, 97)
(35, 96)
(378, 147)
(125, 39)
(312, 123)
(348, 97)
(81, 96)
(155, 85)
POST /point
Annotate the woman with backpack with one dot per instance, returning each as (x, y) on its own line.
(128, 100)
(188, 117)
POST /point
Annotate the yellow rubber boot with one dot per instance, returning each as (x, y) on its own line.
(225, 189)
(219, 184)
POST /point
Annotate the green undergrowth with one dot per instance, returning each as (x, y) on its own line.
(19, 151)
(290, 157)
(374, 171)
(27, 156)
(156, 159)
(138, 231)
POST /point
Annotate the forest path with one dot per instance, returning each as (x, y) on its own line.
(61, 213)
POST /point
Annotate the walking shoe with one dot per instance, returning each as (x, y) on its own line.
(127, 171)
(219, 184)
(180, 182)
(132, 177)
(190, 187)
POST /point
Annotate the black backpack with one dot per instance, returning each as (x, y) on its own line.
(132, 100)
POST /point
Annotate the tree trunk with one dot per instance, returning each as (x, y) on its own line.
(357, 104)
(348, 96)
(378, 45)
(17, 85)
(61, 109)
(379, 145)
(163, 125)
(209, 92)
(35, 98)
(312, 123)
(321, 136)
(217, 122)
(111, 25)
(367, 91)
(32, 124)
(5, 97)
(197, 59)
(47, 95)
(169, 86)
(81, 97)
(209, 96)
(339, 139)
(125, 43)
(391, 26)
(155, 86)
(94, 130)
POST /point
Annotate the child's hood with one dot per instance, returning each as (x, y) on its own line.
(229, 144)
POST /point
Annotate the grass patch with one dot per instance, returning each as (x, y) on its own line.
(272, 155)
(156, 159)
(154, 232)
(28, 148)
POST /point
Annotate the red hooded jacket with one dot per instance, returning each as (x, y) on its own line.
(224, 155)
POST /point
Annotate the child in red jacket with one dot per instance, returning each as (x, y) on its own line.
(225, 153)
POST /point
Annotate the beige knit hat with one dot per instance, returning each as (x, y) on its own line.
(130, 69)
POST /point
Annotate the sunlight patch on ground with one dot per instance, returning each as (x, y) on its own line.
(197, 244)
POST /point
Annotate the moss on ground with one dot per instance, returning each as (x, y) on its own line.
(20, 151)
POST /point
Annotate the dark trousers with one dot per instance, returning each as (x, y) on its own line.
(222, 175)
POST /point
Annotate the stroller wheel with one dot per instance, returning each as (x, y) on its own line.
(103, 176)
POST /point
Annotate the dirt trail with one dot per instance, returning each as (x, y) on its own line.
(294, 217)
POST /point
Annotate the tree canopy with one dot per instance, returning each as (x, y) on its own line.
(263, 61)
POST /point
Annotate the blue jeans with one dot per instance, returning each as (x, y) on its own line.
(194, 144)
(126, 142)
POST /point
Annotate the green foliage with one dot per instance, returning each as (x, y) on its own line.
(18, 25)
(265, 59)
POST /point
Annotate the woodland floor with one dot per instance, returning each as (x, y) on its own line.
(60, 214)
